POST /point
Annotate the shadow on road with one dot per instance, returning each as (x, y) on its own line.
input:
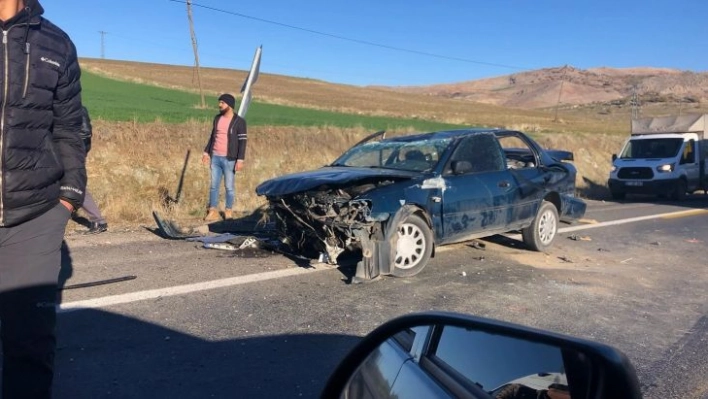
(103, 354)
(66, 270)
(686, 354)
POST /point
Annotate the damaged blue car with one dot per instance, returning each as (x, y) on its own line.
(396, 199)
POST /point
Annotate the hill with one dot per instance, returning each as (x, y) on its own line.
(545, 88)
(592, 101)
(310, 93)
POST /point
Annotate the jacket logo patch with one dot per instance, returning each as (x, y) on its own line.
(50, 61)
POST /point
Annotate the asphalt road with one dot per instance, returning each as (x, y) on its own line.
(199, 323)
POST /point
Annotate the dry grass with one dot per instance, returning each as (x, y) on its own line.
(593, 158)
(131, 165)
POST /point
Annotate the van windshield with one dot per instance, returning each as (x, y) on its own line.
(652, 148)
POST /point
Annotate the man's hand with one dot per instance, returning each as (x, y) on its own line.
(205, 159)
(239, 165)
(67, 205)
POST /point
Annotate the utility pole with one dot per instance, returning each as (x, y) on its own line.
(103, 46)
(680, 106)
(560, 92)
(635, 103)
(196, 51)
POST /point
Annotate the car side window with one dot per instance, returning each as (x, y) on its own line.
(481, 151)
(517, 153)
(405, 338)
(496, 361)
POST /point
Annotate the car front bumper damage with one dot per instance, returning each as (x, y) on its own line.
(324, 224)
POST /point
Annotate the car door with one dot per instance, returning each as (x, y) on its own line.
(478, 189)
(530, 177)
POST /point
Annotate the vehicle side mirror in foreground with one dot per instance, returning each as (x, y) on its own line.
(447, 355)
(614, 157)
(461, 167)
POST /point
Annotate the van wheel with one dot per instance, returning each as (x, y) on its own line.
(413, 247)
(540, 234)
(680, 189)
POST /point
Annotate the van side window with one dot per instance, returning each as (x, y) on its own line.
(688, 153)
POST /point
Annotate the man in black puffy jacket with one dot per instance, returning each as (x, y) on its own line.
(42, 181)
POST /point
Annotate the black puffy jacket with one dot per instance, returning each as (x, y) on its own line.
(42, 156)
(86, 131)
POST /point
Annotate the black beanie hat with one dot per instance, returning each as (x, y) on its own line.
(228, 99)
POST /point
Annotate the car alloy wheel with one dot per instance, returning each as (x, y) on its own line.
(547, 227)
(540, 234)
(413, 247)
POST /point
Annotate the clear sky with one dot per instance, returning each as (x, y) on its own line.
(393, 42)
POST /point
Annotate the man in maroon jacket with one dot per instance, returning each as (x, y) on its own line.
(225, 153)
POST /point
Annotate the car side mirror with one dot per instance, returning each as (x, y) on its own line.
(451, 355)
(614, 157)
(461, 167)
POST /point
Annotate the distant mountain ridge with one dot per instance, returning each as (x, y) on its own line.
(567, 85)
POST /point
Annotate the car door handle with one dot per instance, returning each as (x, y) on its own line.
(504, 184)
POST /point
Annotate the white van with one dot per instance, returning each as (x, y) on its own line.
(664, 156)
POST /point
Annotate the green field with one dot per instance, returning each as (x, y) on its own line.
(115, 100)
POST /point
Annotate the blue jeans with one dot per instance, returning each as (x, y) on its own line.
(220, 166)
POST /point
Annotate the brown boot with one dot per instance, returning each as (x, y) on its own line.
(228, 214)
(212, 215)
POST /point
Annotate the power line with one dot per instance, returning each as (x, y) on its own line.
(238, 62)
(368, 43)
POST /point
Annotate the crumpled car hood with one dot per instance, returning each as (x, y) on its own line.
(328, 175)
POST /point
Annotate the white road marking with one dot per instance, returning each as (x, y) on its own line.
(668, 215)
(252, 278)
(186, 289)
(602, 207)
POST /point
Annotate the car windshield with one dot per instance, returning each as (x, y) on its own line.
(651, 148)
(415, 156)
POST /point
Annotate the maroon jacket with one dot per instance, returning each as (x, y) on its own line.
(237, 138)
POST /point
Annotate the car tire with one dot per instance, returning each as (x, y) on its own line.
(540, 234)
(413, 247)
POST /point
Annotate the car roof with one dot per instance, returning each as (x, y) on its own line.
(443, 134)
